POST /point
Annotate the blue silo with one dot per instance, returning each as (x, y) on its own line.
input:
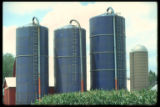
(108, 51)
(27, 62)
(67, 61)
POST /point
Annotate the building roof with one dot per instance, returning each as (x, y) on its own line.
(10, 81)
(139, 48)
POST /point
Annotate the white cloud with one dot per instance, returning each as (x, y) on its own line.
(88, 72)
(9, 40)
(51, 71)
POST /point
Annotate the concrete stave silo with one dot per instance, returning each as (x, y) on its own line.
(138, 68)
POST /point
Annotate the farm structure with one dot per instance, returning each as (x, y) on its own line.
(9, 87)
(139, 67)
(70, 59)
(108, 51)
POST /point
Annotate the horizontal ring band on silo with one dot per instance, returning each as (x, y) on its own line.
(67, 56)
(106, 52)
(106, 69)
(101, 35)
(30, 55)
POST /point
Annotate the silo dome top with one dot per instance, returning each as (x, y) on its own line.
(32, 24)
(68, 27)
(139, 48)
(109, 12)
(29, 24)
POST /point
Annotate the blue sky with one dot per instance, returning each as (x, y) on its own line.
(140, 20)
(86, 3)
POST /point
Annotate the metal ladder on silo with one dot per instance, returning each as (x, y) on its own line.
(35, 61)
(75, 56)
(80, 56)
(73, 71)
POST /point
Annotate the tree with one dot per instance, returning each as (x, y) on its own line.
(152, 78)
(8, 62)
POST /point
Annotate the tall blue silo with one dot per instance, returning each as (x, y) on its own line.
(30, 59)
(108, 51)
(67, 61)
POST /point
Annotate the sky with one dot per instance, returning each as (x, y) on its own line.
(140, 24)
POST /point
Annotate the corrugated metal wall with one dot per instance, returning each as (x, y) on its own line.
(67, 59)
(27, 63)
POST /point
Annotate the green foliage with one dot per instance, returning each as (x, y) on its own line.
(8, 61)
(101, 97)
(152, 78)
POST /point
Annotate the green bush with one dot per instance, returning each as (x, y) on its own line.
(101, 97)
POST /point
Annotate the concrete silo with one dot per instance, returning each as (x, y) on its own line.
(138, 68)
